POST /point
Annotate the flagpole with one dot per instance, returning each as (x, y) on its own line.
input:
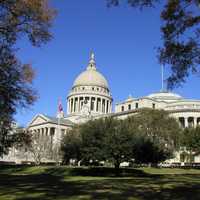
(162, 77)
(60, 109)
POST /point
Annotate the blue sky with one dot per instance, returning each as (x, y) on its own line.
(125, 43)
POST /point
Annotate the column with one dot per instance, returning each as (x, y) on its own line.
(48, 131)
(109, 107)
(45, 132)
(101, 107)
(186, 122)
(90, 99)
(78, 104)
(74, 104)
(97, 104)
(106, 105)
(195, 122)
(68, 106)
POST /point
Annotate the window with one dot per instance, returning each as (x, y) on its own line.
(93, 88)
(129, 106)
(83, 88)
(153, 105)
(122, 108)
(136, 105)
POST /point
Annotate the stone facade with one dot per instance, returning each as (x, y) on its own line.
(186, 111)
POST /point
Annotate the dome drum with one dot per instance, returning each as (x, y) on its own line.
(90, 89)
(89, 104)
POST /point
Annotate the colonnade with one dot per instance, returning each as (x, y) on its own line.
(96, 104)
(189, 121)
(48, 131)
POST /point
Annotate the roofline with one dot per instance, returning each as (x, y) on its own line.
(50, 122)
(168, 111)
(41, 115)
(88, 93)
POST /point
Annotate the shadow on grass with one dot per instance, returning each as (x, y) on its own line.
(98, 172)
(55, 184)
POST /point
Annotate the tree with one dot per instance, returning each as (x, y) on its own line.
(85, 142)
(71, 146)
(118, 141)
(31, 18)
(180, 33)
(146, 150)
(105, 139)
(36, 146)
(40, 147)
(18, 18)
(15, 91)
(150, 136)
(156, 135)
(93, 136)
(191, 140)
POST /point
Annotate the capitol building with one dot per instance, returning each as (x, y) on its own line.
(90, 98)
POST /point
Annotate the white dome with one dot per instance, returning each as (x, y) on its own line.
(91, 77)
(165, 96)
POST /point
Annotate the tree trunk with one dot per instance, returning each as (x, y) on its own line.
(117, 164)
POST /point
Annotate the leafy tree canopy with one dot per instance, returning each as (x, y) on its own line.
(180, 33)
(18, 18)
(191, 140)
(71, 145)
(150, 136)
(157, 125)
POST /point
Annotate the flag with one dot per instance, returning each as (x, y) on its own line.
(60, 108)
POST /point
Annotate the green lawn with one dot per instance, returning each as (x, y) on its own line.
(59, 183)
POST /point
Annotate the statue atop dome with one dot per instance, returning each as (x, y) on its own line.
(92, 63)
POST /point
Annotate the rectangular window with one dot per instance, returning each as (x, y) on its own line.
(122, 108)
(136, 105)
(129, 106)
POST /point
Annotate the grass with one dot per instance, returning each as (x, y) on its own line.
(61, 183)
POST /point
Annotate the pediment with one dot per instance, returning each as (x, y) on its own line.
(38, 119)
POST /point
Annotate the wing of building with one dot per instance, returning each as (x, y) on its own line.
(186, 111)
